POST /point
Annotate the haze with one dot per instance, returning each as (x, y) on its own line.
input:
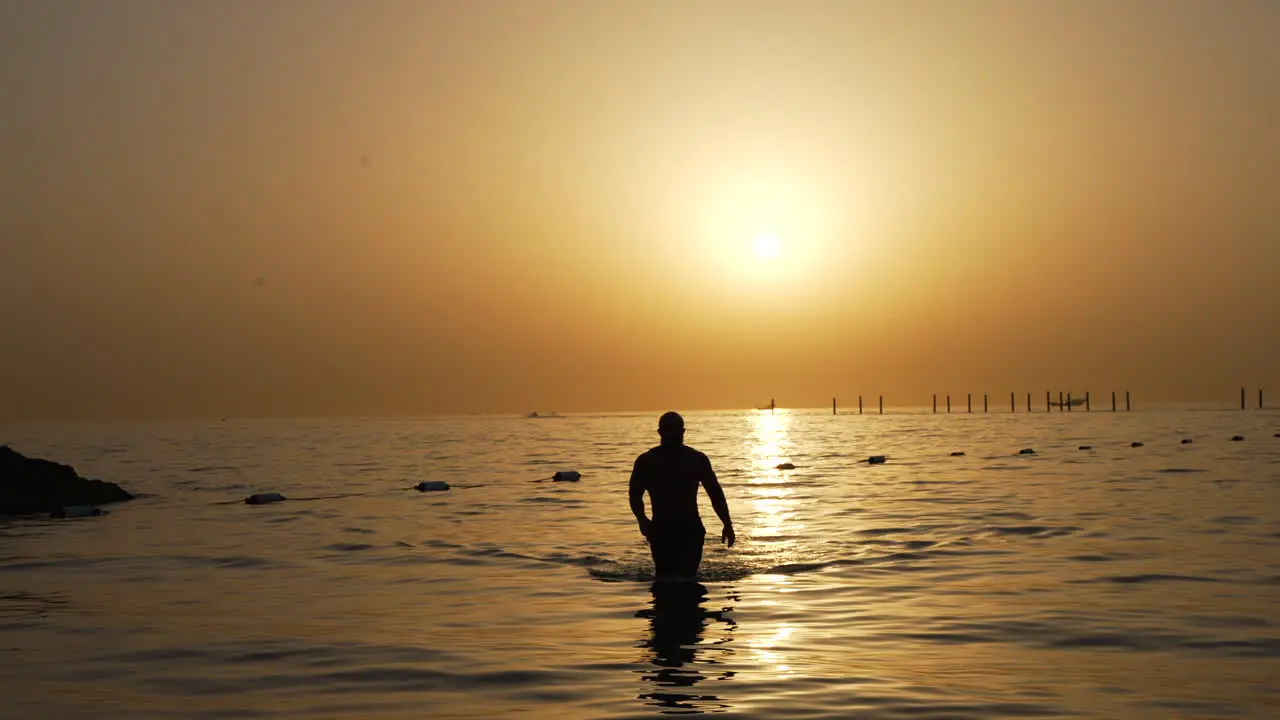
(290, 208)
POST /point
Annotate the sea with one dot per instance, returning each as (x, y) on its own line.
(1116, 571)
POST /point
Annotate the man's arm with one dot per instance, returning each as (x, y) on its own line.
(636, 492)
(716, 494)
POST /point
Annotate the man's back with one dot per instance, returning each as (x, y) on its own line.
(671, 475)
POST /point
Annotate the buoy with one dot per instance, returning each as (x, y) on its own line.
(1135, 443)
(785, 466)
(1237, 438)
(263, 498)
(958, 453)
(567, 476)
(1187, 441)
(876, 460)
(75, 511)
(1027, 451)
(1085, 447)
(429, 485)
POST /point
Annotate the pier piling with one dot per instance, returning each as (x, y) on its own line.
(1113, 401)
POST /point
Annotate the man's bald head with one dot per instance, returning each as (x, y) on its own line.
(671, 428)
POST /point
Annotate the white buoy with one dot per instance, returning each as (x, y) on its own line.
(431, 485)
(264, 498)
(76, 511)
(567, 476)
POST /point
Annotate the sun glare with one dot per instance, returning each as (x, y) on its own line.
(766, 246)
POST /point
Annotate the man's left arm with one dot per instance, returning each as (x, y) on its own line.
(636, 491)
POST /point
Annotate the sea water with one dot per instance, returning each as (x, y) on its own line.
(1116, 582)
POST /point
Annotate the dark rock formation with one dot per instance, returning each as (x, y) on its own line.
(32, 485)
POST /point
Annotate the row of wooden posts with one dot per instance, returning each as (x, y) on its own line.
(1064, 404)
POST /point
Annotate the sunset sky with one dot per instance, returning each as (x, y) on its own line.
(270, 207)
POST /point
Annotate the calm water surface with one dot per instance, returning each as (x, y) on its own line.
(1116, 582)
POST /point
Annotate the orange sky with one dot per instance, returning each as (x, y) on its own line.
(508, 206)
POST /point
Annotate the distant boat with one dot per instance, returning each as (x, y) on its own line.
(535, 414)
(1074, 402)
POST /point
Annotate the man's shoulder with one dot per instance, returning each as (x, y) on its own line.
(684, 452)
(695, 454)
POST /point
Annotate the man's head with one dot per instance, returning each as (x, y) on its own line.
(671, 428)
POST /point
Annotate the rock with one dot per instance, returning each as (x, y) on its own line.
(785, 466)
(76, 511)
(1187, 441)
(958, 453)
(1135, 443)
(33, 485)
(431, 485)
(1237, 438)
(264, 498)
(1027, 451)
(567, 476)
(876, 460)
(1085, 447)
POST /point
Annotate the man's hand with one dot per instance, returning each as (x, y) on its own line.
(728, 537)
(646, 526)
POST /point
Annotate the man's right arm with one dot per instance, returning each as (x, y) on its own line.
(715, 494)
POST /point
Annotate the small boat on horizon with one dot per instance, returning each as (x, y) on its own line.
(535, 415)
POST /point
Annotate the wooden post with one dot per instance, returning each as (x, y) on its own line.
(1127, 406)
(772, 407)
(1028, 402)
(1113, 401)
(859, 404)
(984, 403)
(1013, 403)
(833, 406)
(1241, 398)
(1048, 403)
(935, 403)
(881, 404)
(1087, 406)
(1059, 401)
(1259, 398)
(969, 401)
(948, 404)
(1068, 402)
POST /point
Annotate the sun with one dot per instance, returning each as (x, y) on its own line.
(765, 246)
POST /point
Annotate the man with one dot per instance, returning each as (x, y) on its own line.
(671, 473)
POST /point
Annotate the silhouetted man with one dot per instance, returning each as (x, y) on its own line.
(671, 473)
